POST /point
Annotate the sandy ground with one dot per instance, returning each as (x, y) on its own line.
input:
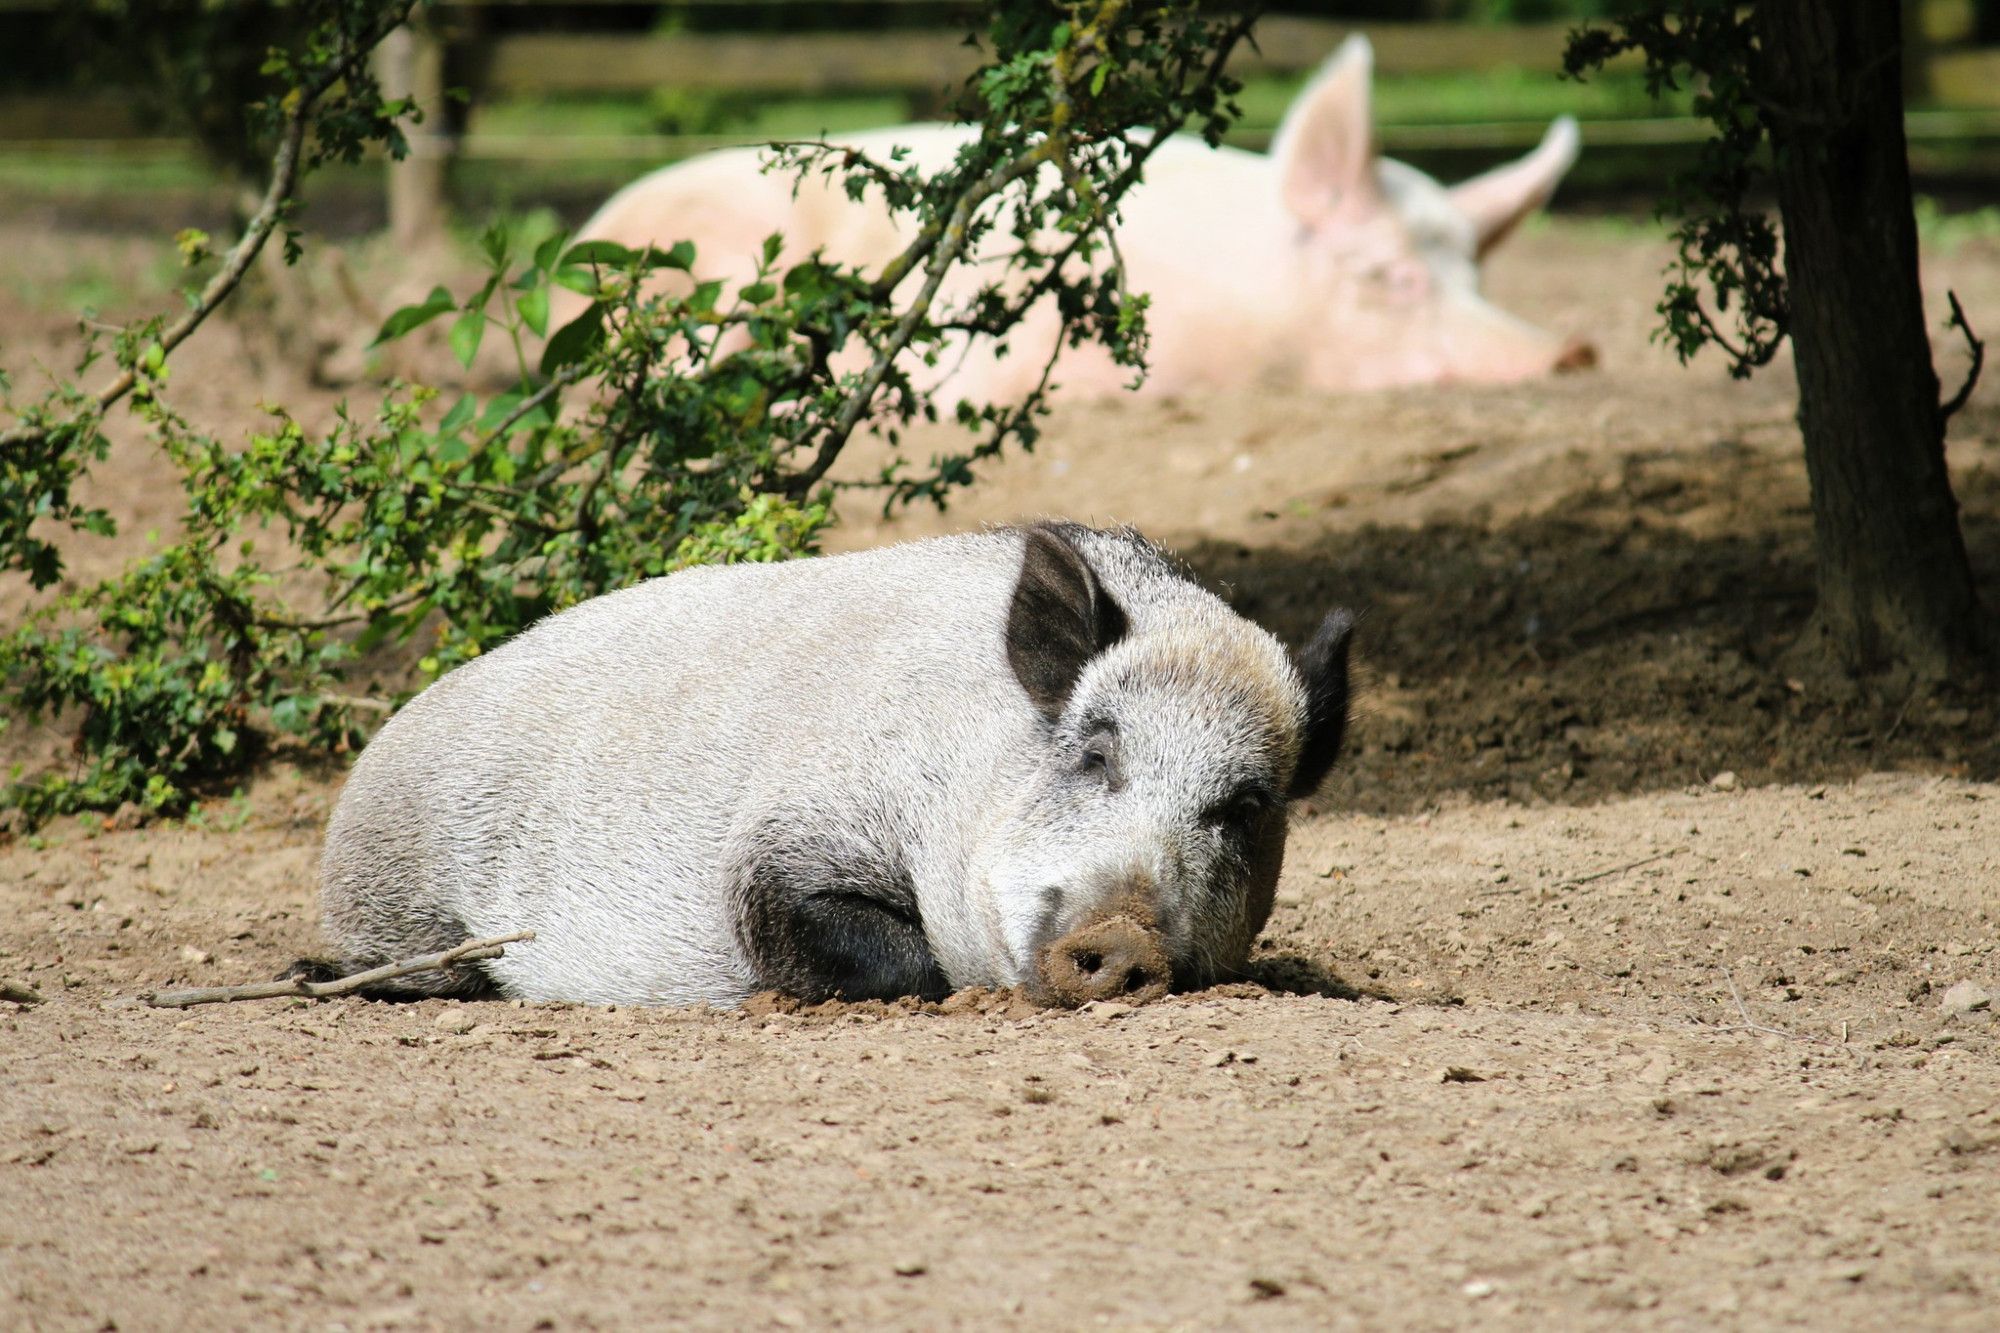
(1623, 974)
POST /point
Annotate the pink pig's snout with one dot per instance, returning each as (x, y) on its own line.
(1485, 345)
(1576, 354)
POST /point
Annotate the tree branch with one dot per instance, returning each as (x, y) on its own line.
(940, 245)
(1948, 409)
(952, 241)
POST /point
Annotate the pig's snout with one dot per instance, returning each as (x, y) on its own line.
(1576, 354)
(1115, 958)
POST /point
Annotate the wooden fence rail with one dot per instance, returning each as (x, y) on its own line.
(926, 62)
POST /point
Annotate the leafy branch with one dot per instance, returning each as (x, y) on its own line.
(673, 422)
(1722, 244)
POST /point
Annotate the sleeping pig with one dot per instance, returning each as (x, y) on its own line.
(1321, 264)
(1038, 757)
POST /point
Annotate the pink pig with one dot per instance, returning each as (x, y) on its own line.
(1322, 264)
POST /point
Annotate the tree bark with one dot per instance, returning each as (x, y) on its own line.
(1895, 588)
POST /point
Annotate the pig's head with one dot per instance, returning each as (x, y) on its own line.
(1145, 848)
(1388, 259)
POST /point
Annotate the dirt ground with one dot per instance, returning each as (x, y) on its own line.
(1626, 973)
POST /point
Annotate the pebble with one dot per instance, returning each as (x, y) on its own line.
(456, 1020)
(1723, 781)
(911, 1268)
(1967, 997)
(190, 954)
(1478, 1289)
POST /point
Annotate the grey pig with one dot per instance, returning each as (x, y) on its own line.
(890, 773)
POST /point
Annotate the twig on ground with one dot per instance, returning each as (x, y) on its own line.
(468, 952)
(1751, 1025)
(1594, 875)
(1618, 870)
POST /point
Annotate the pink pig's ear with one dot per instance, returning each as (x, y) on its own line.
(1503, 196)
(1325, 149)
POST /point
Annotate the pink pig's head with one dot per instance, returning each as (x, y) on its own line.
(1389, 258)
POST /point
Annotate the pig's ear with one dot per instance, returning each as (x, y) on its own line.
(1323, 667)
(1325, 149)
(1061, 617)
(1498, 200)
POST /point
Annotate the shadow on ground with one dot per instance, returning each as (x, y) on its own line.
(1629, 638)
(1284, 972)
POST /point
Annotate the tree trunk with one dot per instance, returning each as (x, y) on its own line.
(1895, 588)
(410, 63)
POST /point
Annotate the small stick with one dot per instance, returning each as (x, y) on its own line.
(1751, 1025)
(470, 951)
(1585, 879)
(1618, 870)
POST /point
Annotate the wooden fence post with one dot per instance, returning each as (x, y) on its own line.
(410, 63)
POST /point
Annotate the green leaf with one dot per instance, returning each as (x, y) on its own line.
(598, 252)
(679, 255)
(466, 333)
(534, 308)
(385, 624)
(485, 294)
(810, 281)
(193, 244)
(293, 713)
(549, 252)
(758, 292)
(494, 242)
(502, 407)
(574, 340)
(410, 317)
(461, 412)
(579, 280)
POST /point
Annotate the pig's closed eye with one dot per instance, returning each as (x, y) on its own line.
(1238, 813)
(1097, 760)
(1402, 279)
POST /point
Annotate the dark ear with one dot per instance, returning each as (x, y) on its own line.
(1323, 668)
(1061, 618)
